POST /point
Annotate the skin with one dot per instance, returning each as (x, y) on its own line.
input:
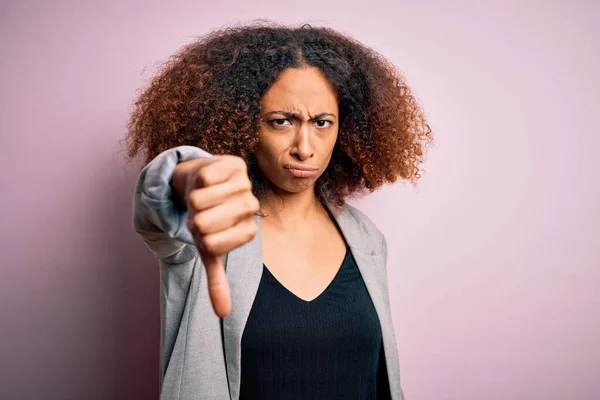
(302, 246)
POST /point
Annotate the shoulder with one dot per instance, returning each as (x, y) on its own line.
(366, 231)
(365, 223)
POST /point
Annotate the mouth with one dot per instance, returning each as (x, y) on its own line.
(301, 171)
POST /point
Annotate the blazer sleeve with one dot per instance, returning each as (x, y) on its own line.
(157, 216)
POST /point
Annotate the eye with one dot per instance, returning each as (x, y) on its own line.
(280, 122)
(323, 123)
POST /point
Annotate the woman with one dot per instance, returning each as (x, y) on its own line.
(297, 119)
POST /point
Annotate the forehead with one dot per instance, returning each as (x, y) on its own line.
(302, 90)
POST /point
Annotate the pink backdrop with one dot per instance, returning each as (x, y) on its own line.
(494, 259)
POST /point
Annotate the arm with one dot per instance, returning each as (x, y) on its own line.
(185, 190)
(158, 215)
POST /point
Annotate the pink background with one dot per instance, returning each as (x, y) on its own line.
(494, 259)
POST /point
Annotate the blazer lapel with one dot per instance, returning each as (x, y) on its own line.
(244, 267)
(367, 259)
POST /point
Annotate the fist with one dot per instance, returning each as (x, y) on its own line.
(221, 209)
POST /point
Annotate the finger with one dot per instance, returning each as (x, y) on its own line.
(210, 196)
(224, 241)
(218, 286)
(220, 170)
(225, 215)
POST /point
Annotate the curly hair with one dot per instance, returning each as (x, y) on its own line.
(208, 95)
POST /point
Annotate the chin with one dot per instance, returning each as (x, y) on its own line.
(296, 187)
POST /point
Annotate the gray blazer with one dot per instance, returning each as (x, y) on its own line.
(200, 353)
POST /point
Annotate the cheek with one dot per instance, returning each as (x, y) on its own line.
(267, 151)
(268, 155)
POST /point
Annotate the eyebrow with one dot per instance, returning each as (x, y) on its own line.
(295, 116)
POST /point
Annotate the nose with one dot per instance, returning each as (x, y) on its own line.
(303, 147)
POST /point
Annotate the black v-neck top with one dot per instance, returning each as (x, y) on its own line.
(327, 348)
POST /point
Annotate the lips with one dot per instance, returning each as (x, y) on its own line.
(301, 171)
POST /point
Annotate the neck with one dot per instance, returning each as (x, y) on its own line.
(289, 209)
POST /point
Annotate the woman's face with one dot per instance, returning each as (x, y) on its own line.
(298, 129)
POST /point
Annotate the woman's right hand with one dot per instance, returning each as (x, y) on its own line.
(221, 209)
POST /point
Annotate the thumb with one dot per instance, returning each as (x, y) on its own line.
(218, 286)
